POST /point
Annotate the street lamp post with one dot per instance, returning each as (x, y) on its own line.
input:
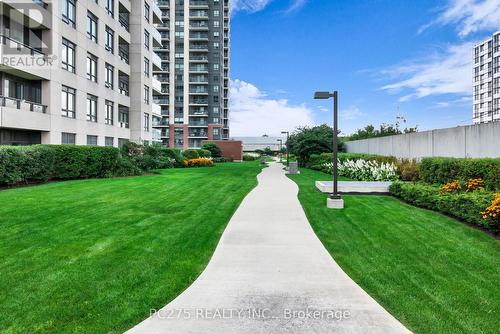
(281, 149)
(334, 201)
(287, 146)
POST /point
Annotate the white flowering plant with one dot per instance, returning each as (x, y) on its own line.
(363, 170)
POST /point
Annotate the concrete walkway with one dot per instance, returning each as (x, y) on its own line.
(271, 274)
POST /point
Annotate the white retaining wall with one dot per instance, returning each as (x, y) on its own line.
(472, 141)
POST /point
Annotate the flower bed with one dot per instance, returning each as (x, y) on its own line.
(363, 170)
(199, 162)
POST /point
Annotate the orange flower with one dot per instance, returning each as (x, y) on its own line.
(474, 184)
(451, 187)
(493, 211)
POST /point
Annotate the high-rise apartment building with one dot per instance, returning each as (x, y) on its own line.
(486, 97)
(195, 71)
(99, 72)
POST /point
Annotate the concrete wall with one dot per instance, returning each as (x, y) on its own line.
(472, 141)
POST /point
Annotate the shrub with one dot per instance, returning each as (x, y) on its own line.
(464, 206)
(443, 170)
(157, 158)
(175, 155)
(11, 162)
(198, 162)
(408, 170)
(127, 168)
(190, 154)
(249, 157)
(214, 149)
(40, 163)
(221, 160)
(204, 153)
(492, 214)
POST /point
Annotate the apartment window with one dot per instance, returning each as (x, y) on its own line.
(216, 24)
(110, 76)
(146, 94)
(146, 11)
(92, 26)
(110, 110)
(146, 67)
(68, 98)
(92, 108)
(91, 140)
(68, 55)
(109, 141)
(123, 117)
(146, 122)
(110, 7)
(216, 45)
(216, 13)
(146, 39)
(216, 67)
(122, 141)
(69, 12)
(91, 67)
(110, 40)
(68, 138)
(216, 89)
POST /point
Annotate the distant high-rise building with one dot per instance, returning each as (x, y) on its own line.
(195, 72)
(486, 98)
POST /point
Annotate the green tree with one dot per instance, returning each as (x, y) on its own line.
(214, 149)
(312, 140)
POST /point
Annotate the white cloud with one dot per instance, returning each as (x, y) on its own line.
(296, 5)
(350, 114)
(470, 16)
(447, 72)
(253, 113)
(251, 6)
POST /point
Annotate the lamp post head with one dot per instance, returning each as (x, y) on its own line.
(322, 95)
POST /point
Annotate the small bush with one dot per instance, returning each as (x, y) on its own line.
(190, 154)
(248, 157)
(408, 169)
(443, 170)
(175, 155)
(221, 160)
(463, 206)
(204, 153)
(11, 162)
(199, 162)
(214, 149)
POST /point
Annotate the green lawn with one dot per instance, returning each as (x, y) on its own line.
(431, 272)
(93, 256)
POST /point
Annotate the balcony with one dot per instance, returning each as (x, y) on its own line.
(156, 13)
(157, 39)
(198, 3)
(21, 114)
(156, 84)
(156, 62)
(24, 60)
(156, 109)
(198, 133)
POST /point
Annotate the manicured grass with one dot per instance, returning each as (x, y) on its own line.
(431, 272)
(94, 256)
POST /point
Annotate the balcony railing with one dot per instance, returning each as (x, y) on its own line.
(12, 43)
(11, 102)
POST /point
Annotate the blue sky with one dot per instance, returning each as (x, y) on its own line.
(385, 57)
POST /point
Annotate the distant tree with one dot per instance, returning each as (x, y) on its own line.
(369, 131)
(268, 151)
(311, 140)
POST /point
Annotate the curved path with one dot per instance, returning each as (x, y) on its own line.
(271, 274)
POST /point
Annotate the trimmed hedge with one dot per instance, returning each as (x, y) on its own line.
(444, 170)
(40, 163)
(204, 153)
(463, 206)
(214, 149)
